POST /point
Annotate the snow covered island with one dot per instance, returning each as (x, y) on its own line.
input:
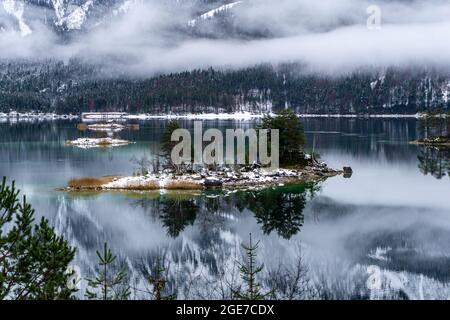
(87, 143)
(434, 141)
(248, 176)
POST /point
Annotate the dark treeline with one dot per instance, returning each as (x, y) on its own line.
(75, 87)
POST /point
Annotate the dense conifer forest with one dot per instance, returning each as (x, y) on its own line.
(76, 87)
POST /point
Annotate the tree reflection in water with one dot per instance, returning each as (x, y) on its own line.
(434, 161)
(278, 209)
(176, 213)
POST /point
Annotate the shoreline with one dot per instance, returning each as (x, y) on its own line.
(92, 117)
(43, 116)
(120, 116)
(431, 143)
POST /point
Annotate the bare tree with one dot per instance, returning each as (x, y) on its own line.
(143, 163)
(291, 282)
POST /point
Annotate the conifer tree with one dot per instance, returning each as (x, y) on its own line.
(107, 285)
(166, 140)
(249, 271)
(167, 144)
(33, 259)
(291, 136)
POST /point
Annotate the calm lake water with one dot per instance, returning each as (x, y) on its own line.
(389, 221)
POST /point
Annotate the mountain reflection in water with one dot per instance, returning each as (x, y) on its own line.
(392, 213)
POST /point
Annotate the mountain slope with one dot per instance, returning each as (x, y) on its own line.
(68, 15)
(76, 87)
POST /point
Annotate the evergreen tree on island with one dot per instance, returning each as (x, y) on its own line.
(292, 137)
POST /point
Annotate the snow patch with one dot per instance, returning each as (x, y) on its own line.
(75, 19)
(15, 116)
(87, 143)
(201, 116)
(446, 92)
(379, 254)
(16, 9)
(60, 10)
(95, 116)
(210, 14)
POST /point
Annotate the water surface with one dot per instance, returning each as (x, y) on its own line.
(393, 213)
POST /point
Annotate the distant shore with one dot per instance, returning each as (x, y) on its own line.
(227, 116)
(32, 116)
(122, 116)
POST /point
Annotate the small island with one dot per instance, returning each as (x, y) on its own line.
(434, 141)
(296, 166)
(435, 127)
(114, 127)
(87, 143)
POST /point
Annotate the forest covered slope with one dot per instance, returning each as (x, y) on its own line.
(77, 87)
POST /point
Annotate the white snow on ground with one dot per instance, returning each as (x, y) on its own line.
(87, 143)
(92, 116)
(156, 181)
(417, 115)
(75, 19)
(201, 116)
(241, 116)
(210, 14)
(16, 9)
(373, 84)
(60, 10)
(379, 254)
(17, 116)
(103, 115)
(446, 93)
(106, 127)
(255, 178)
(126, 182)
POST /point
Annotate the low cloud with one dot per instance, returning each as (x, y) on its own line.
(328, 36)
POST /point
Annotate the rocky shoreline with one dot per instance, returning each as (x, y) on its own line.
(224, 178)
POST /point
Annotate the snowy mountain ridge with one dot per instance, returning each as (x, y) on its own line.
(69, 15)
(16, 9)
